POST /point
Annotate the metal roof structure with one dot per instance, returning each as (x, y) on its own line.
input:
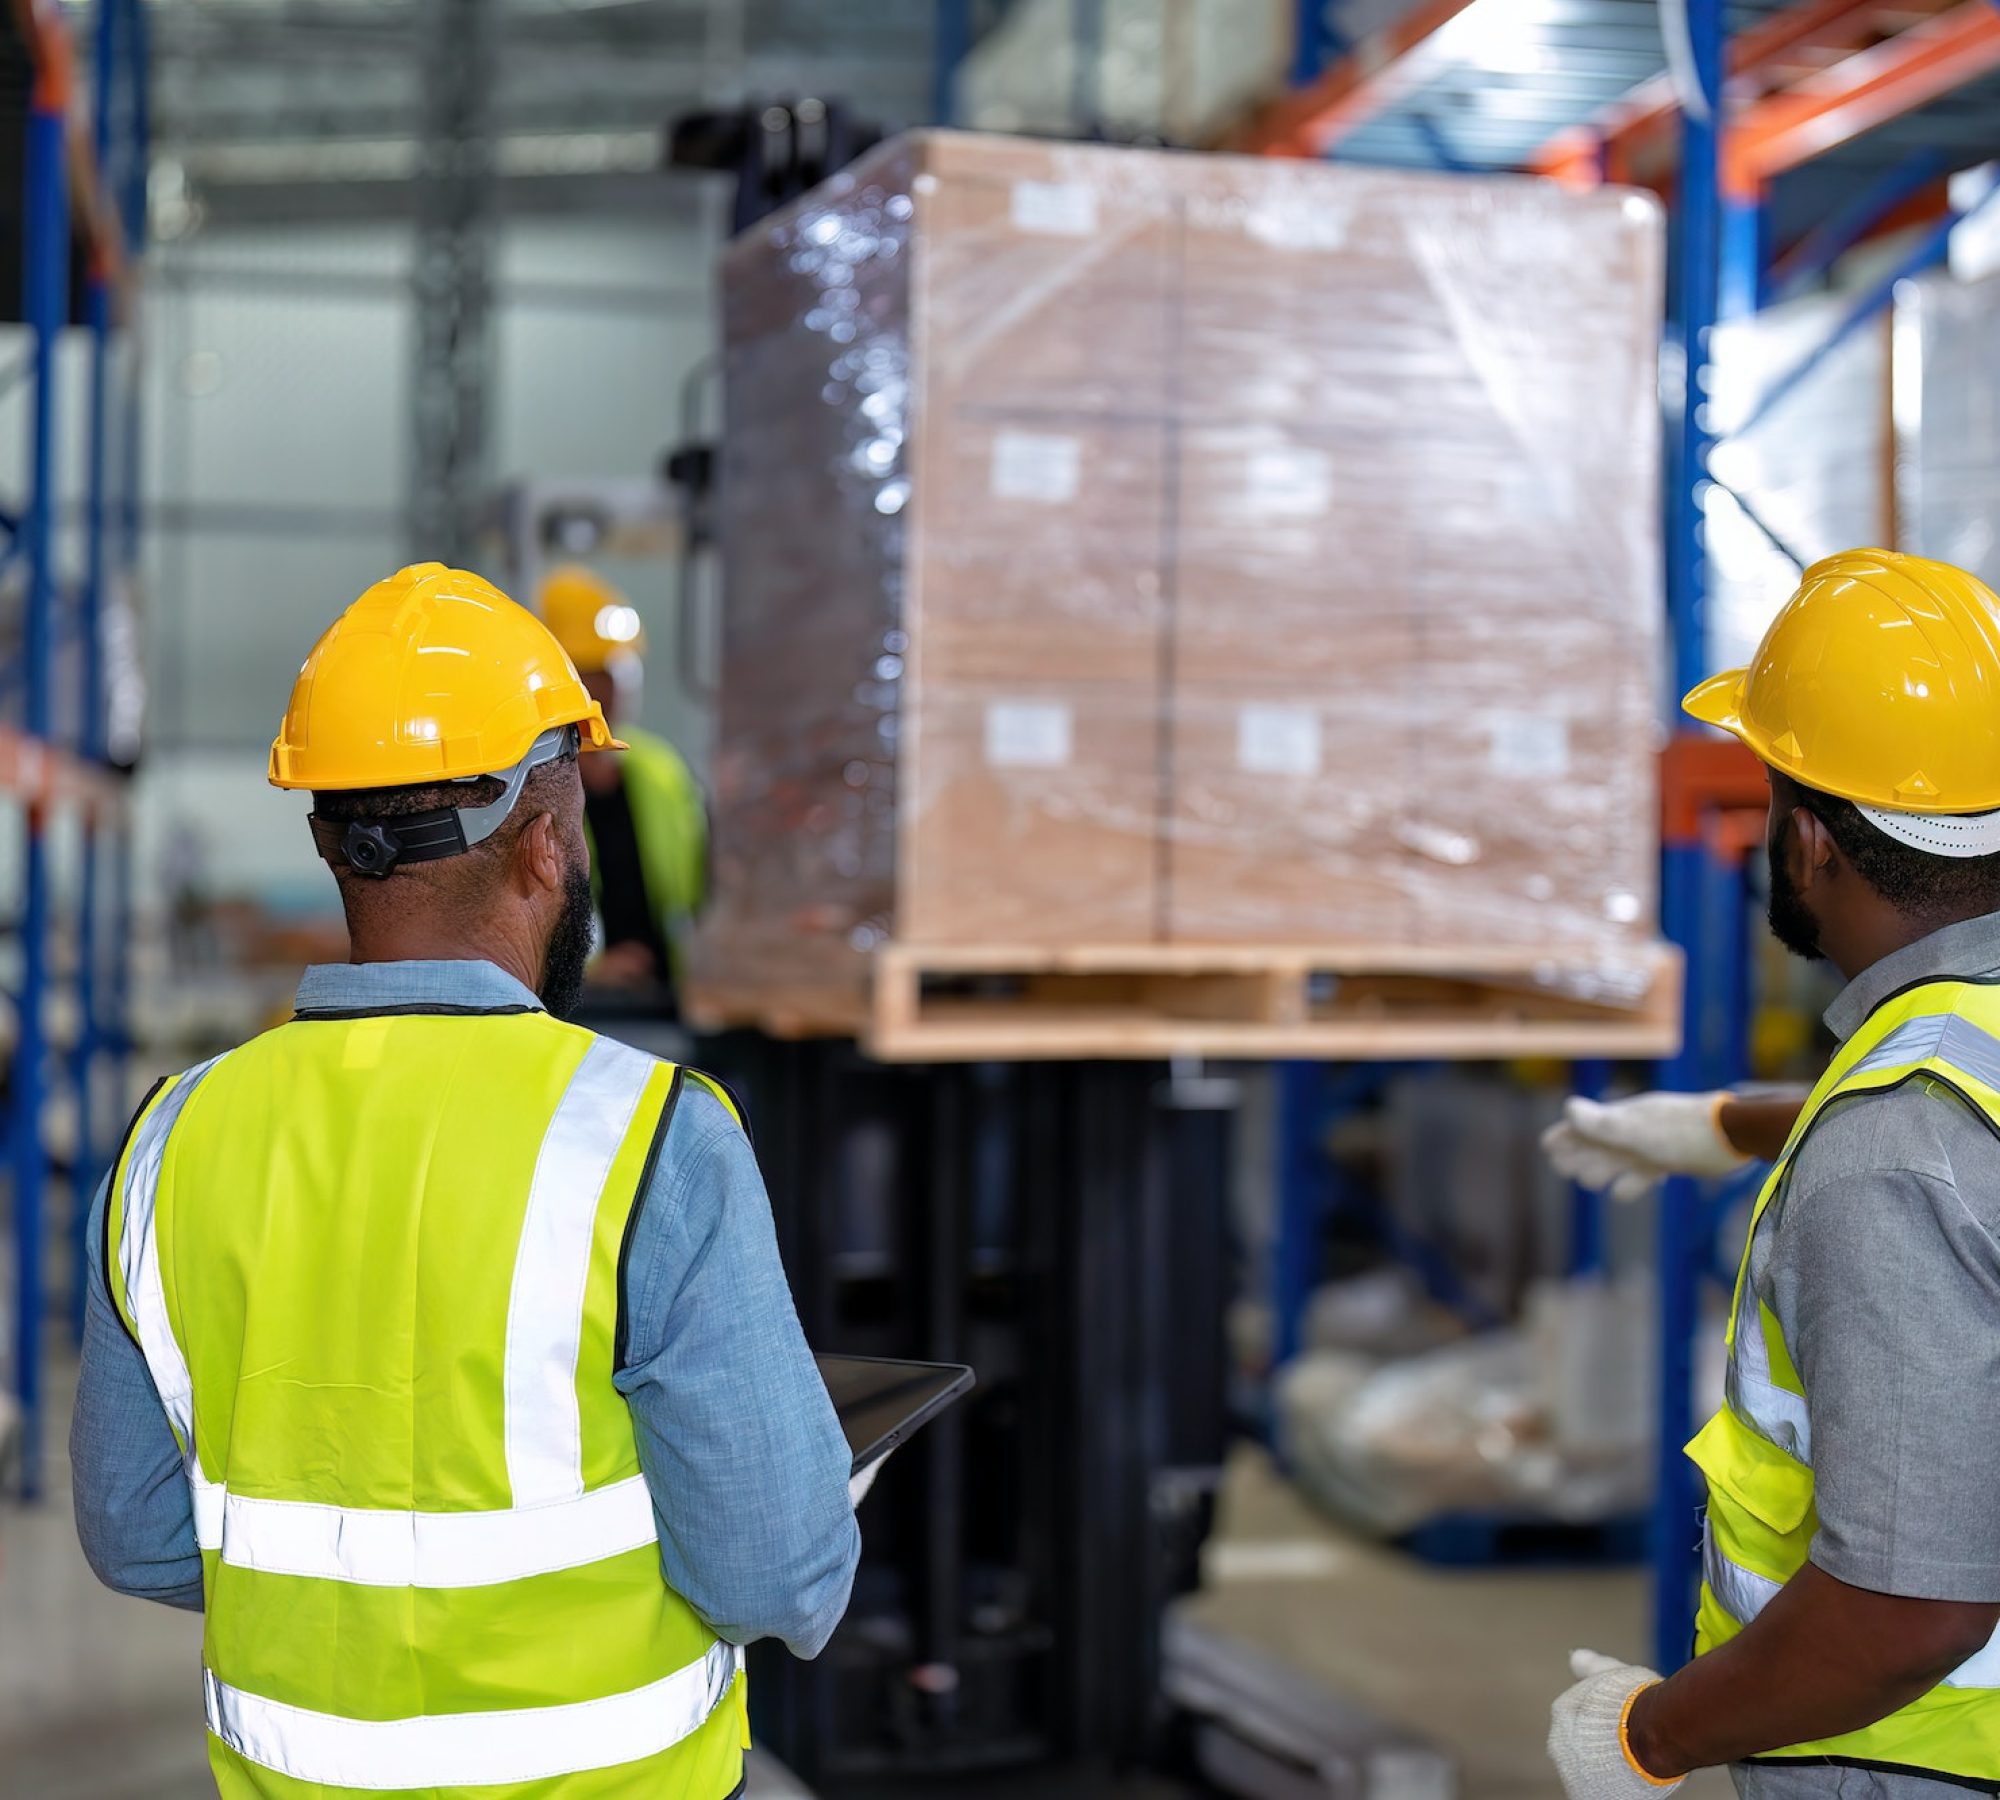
(1500, 84)
(270, 105)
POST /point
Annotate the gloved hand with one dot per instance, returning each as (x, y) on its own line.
(1587, 1732)
(1631, 1146)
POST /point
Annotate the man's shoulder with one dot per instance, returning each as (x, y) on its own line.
(1918, 1127)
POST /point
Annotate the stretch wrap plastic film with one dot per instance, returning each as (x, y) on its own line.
(1125, 547)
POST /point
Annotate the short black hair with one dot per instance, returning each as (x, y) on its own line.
(461, 883)
(348, 804)
(1925, 888)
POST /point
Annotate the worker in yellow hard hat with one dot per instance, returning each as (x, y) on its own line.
(1846, 1638)
(436, 1348)
(644, 812)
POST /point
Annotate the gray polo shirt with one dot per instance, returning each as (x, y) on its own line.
(1880, 1255)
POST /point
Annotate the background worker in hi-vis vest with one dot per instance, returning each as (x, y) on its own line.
(643, 811)
(437, 1349)
(1851, 1565)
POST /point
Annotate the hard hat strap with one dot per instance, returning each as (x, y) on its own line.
(377, 847)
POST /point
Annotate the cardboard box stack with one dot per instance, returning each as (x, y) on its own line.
(1124, 546)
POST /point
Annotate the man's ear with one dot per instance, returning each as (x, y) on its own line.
(538, 861)
(1811, 851)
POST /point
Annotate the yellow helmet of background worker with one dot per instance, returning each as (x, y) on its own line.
(1878, 681)
(592, 620)
(432, 675)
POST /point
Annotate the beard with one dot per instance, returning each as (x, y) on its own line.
(569, 947)
(1791, 920)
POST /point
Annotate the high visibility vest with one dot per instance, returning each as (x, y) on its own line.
(1757, 1452)
(372, 1260)
(671, 825)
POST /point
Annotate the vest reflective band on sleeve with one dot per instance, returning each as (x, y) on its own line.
(375, 1547)
(1743, 1593)
(139, 1255)
(545, 1312)
(456, 1750)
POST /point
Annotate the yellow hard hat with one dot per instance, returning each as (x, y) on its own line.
(592, 620)
(430, 676)
(1878, 681)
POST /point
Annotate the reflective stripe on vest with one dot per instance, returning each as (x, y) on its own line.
(556, 1522)
(1757, 1452)
(139, 1256)
(379, 1548)
(1743, 1594)
(453, 1750)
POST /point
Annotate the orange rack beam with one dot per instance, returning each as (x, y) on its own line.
(1868, 89)
(1632, 133)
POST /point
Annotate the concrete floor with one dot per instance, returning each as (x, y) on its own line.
(100, 1697)
(1469, 1659)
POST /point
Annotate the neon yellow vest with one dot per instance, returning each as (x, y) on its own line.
(1757, 1451)
(671, 826)
(372, 1261)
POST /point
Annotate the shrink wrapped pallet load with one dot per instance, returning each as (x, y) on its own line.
(1132, 548)
(1948, 420)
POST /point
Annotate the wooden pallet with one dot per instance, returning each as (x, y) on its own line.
(1150, 1002)
(1359, 1003)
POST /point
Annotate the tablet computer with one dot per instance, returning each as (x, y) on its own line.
(881, 1402)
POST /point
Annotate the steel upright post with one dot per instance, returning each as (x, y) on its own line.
(45, 305)
(91, 708)
(1679, 1242)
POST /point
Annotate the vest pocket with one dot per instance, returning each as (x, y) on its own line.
(1775, 1489)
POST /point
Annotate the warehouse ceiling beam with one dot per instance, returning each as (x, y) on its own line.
(1863, 91)
(1630, 137)
(1372, 77)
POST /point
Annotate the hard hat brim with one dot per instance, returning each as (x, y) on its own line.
(1718, 701)
(597, 733)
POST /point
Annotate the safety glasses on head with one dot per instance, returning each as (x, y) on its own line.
(376, 847)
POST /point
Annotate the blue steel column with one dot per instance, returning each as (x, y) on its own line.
(45, 307)
(952, 38)
(116, 1011)
(1588, 1253)
(1679, 1245)
(90, 726)
(1312, 40)
(1740, 288)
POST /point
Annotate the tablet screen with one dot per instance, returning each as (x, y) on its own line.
(881, 1403)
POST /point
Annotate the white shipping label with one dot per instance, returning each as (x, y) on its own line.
(1055, 208)
(1278, 740)
(1527, 746)
(1290, 481)
(1036, 466)
(1029, 734)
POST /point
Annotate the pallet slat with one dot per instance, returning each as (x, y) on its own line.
(1149, 1002)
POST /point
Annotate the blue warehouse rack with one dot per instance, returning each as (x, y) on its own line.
(82, 214)
(1729, 152)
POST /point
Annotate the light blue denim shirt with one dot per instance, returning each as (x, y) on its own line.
(745, 1459)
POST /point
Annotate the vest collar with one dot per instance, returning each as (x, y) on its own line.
(1967, 951)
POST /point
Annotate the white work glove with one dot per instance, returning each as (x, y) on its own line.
(1587, 1732)
(1630, 1146)
(858, 1485)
